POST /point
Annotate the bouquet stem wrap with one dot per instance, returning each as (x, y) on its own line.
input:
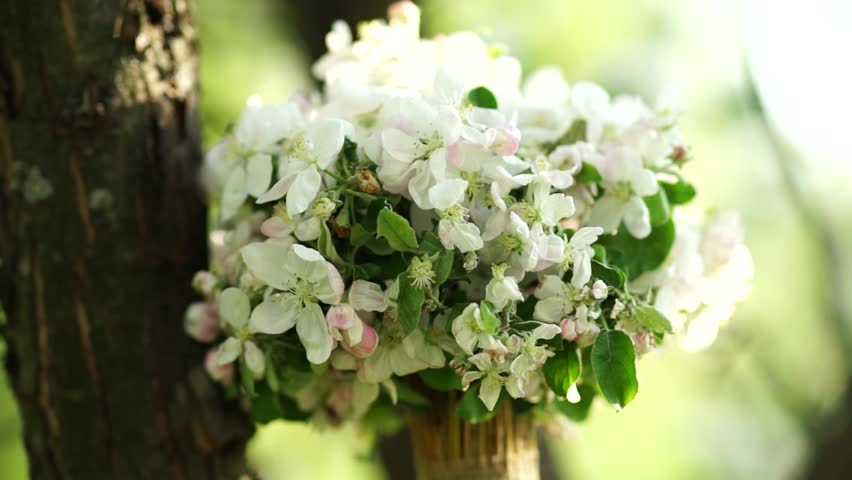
(448, 448)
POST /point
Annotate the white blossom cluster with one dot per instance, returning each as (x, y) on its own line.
(431, 212)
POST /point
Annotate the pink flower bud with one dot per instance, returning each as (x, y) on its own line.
(201, 322)
(569, 329)
(367, 345)
(508, 140)
(204, 282)
(223, 374)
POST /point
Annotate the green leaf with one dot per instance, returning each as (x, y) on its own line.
(471, 408)
(612, 276)
(359, 236)
(409, 304)
(613, 361)
(652, 318)
(658, 207)
(635, 256)
(562, 370)
(490, 321)
(410, 396)
(379, 246)
(679, 193)
(370, 220)
(396, 229)
(246, 377)
(443, 379)
(482, 97)
(588, 174)
(577, 411)
(365, 271)
(290, 409)
(265, 406)
(431, 244)
(443, 266)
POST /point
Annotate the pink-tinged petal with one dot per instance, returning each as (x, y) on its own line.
(201, 322)
(507, 141)
(454, 154)
(276, 227)
(341, 317)
(223, 374)
(331, 292)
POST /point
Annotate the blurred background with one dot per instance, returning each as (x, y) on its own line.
(768, 85)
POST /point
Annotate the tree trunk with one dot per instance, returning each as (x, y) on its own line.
(101, 228)
(448, 448)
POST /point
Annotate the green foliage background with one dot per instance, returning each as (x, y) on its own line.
(738, 410)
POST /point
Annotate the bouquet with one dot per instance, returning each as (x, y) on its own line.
(431, 223)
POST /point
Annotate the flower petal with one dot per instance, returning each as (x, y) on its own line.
(447, 193)
(313, 332)
(266, 261)
(254, 359)
(637, 219)
(235, 192)
(489, 391)
(367, 296)
(228, 351)
(258, 174)
(303, 191)
(234, 307)
(275, 315)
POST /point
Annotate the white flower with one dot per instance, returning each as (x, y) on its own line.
(303, 278)
(548, 208)
(469, 329)
(454, 230)
(591, 103)
(556, 300)
(418, 145)
(400, 357)
(502, 289)
(490, 373)
(529, 357)
(580, 253)
(626, 181)
(234, 308)
(243, 161)
(305, 156)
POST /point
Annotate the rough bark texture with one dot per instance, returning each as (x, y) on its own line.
(448, 448)
(101, 229)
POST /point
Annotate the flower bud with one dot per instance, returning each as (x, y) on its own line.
(599, 290)
(204, 282)
(367, 345)
(201, 322)
(569, 329)
(223, 374)
(471, 261)
(507, 141)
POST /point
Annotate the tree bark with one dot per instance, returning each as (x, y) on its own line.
(101, 228)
